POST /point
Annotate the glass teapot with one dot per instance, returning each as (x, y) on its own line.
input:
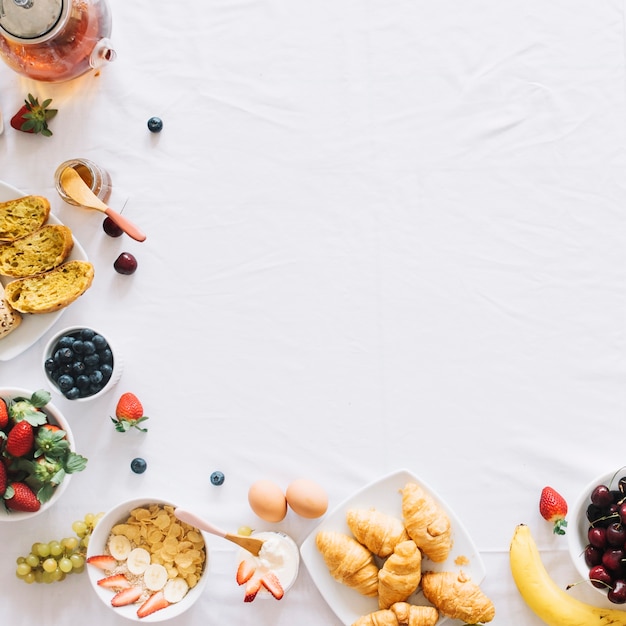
(55, 40)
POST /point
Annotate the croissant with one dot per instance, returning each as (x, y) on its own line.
(427, 524)
(378, 618)
(376, 530)
(413, 615)
(400, 575)
(456, 596)
(348, 561)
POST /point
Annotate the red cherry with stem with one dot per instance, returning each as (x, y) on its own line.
(125, 263)
(601, 496)
(596, 536)
(593, 556)
(612, 559)
(618, 593)
(600, 577)
(615, 534)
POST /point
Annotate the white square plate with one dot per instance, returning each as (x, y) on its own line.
(33, 327)
(384, 495)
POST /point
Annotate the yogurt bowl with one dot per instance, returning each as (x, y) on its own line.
(279, 559)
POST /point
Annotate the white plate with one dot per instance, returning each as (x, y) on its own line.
(33, 327)
(384, 495)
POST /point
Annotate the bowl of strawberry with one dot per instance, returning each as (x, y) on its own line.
(597, 542)
(37, 453)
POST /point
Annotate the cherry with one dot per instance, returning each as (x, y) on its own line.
(601, 496)
(600, 577)
(597, 537)
(621, 511)
(593, 556)
(125, 263)
(618, 593)
(612, 558)
(111, 228)
(615, 534)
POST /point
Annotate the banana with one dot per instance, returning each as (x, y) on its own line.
(137, 561)
(119, 547)
(155, 577)
(176, 589)
(549, 602)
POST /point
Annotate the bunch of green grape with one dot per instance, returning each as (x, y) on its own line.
(53, 561)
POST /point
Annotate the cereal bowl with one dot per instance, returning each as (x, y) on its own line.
(160, 529)
(81, 363)
(585, 514)
(54, 418)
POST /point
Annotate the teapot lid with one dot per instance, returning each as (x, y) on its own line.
(30, 19)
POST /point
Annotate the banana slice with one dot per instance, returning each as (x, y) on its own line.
(138, 560)
(155, 577)
(175, 589)
(119, 547)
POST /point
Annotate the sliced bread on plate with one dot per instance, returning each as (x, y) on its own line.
(50, 291)
(21, 216)
(38, 252)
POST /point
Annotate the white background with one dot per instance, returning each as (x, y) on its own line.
(381, 235)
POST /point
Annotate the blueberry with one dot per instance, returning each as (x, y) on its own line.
(89, 347)
(217, 478)
(155, 124)
(138, 465)
(100, 342)
(66, 342)
(65, 382)
(65, 355)
(92, 360)
(78, 346)
(86, 334)
(73, 393)
(82, 382)
(50, 365)
(78, 368)
(107, 371)
(95, 378)
(106, 356)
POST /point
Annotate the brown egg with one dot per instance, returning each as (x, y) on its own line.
(267, 500)
(307, 498)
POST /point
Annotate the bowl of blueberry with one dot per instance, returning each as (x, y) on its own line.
(597, 541)
(81, 363)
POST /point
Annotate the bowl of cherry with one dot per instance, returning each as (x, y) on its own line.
(597, 542)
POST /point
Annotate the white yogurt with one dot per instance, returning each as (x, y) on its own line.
(279, 555)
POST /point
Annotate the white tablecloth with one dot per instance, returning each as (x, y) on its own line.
(381, 235)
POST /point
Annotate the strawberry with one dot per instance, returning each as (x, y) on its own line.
(155, 602)
(252, 588)
(129, 413)
(4, 478)
(102, 561)
(115, 581)
(34, 117)
(4, 414)
(21, 439)
(270, 581)
(245, 571)
(553, 509)
(20, 497)
(126, 596)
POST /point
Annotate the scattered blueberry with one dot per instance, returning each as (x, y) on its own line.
(217, 478)
(155, 124)
(138, 465)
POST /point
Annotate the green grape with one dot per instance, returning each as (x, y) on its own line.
(70, 543)
(89, 519)
(49, 565)
(47, 578)
(56, 575)
(23, 569)
(29, 578)
(65, 564)
(32, 560)
(43, 550)
(84, 542)
(79, 570)
(80, 528)
(78, 560)
(55, 548)
(246, 531)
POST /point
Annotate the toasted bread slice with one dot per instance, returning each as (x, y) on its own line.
(50, 291)
(9, 319)
(38, 252)
(22, 216)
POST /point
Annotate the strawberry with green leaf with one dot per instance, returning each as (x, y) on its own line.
(20, 497)
(29, 409)
(20, 440)
(33, 117)
(129, 413)
(553, 509)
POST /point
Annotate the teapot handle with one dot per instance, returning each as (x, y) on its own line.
(102, 53)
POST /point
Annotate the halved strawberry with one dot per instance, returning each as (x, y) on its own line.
(126, 596)
(270, 581)
(252, 588)
(155, 602)
(102, 561)
(245, 571)
(115, 581)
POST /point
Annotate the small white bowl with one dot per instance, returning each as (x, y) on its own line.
(81, 396)
(97, 545)
(54, 417)
(283, 559)
(579, 525)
